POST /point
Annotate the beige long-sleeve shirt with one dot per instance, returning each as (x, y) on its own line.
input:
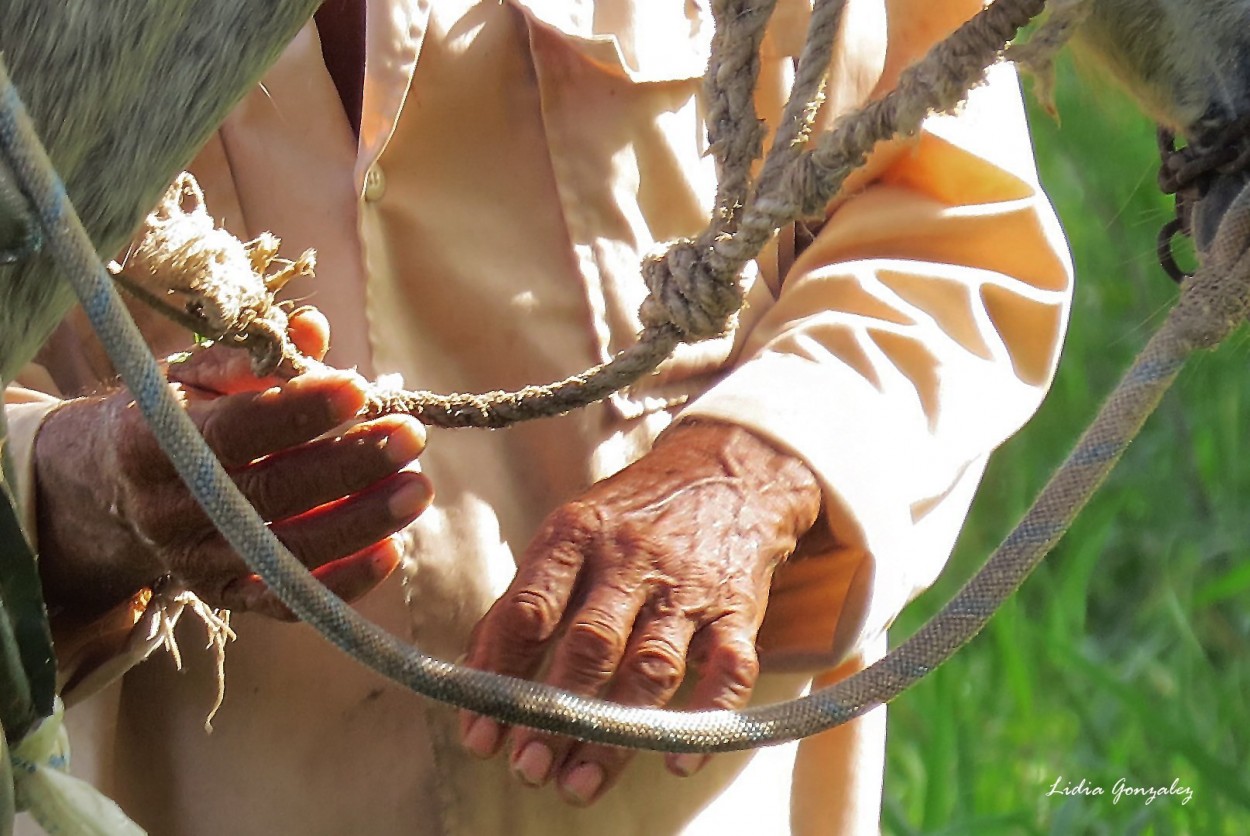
(515, 161)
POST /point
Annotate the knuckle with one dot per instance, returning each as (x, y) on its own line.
(344, 467)
(645, 542)
(633, 537)
(353, 472)
(658, 666)
(577, 523)
(737, 666)
(594, 642)
(531, 616)
(271, 497)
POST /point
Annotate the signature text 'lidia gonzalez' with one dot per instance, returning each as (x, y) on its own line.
(1122, 790)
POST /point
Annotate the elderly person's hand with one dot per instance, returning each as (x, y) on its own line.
(113, 516)
(664, 565)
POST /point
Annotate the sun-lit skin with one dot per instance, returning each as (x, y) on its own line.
(138, 88)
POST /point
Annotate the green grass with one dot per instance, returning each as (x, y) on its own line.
(1127, 654)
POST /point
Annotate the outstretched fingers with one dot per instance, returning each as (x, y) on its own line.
(349, 578)
(242, 427)
(728, 668)
(652, 668)
(585, 658)
(295, 481)
(513, 637)
(347, 529)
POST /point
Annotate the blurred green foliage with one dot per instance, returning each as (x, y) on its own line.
(1127, 655)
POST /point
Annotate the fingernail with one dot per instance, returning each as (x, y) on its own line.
(533, 764)
(688, 764)
(582, 783)
(302, 310)
(343, 396)
(403, 445)
(409, 500)
(482, 738)
(387, 555)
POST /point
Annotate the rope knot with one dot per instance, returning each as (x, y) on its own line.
(693, 288)
(223, 288)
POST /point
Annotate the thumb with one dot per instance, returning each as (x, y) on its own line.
(223, 370)
(216, 370)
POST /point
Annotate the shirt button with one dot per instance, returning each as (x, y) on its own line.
(375, 183)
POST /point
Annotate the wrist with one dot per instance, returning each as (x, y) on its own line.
(90, 557)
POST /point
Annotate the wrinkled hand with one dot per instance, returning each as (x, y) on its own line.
(666, 564)
(113, 516)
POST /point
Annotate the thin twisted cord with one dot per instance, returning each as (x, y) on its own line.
(1216, 300)
(806, 96)
(935, 85)
(736, 137)
(500, 409)
(694, 286)
(735, 132)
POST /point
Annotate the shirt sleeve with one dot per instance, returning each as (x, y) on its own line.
(84, 649)
(24, 410)
(918, 331)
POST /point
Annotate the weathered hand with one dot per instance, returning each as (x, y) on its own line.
(113, 516)
(668, 561)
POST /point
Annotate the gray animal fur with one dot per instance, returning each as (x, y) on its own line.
(1186, 62)
(123, 93)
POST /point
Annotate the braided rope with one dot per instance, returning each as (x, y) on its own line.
(1213, 303)
(694, 287)
(687, 301)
